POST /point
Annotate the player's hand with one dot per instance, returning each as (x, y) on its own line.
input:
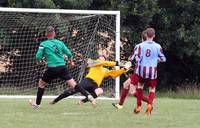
(65, 57)
(62, 38)
(71, 63)
(128, 65)
(37, 62)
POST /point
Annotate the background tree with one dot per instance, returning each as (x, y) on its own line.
(177, 23)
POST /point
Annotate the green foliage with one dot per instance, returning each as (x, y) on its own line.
(177, 23)
(31, 3)
(72, 4)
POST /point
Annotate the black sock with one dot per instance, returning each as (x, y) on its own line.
(81, 90)
(66, 93)
(40, 93)
(86, 99)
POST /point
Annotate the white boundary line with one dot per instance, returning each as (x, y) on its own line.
(46, 97)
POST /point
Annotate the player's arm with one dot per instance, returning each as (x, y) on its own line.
(39, 53)
(137, 54)
(161, 56)
(67, 52)
(115, 73)
(94, 63)
(133, 56)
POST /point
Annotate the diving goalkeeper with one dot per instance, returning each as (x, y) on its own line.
(94, 78)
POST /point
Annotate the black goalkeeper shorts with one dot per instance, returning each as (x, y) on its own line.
(56, 72)
(89, 85)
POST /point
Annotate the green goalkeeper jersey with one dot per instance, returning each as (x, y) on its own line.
(53, 50)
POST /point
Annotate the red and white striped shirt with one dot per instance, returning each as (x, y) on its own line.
(148, 53)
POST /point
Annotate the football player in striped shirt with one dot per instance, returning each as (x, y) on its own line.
(148, 53)
(130, 85)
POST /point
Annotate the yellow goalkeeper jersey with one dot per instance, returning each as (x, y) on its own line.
(98, 72)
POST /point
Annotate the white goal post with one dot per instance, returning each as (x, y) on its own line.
(85, 32)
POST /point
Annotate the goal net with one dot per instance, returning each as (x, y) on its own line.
(86, 33)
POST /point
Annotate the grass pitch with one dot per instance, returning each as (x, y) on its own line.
(167, 113)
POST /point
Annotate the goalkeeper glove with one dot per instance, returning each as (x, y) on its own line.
(127, 65)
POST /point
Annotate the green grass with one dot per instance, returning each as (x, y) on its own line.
(167, 113)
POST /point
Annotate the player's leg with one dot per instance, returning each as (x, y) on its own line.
(152, 87)
(89, 85)
(123, 95)
(47, 77)
(93, 93)
(124, 92)
(133, 90)
(97, 92)
(63, 95)
(133, 87)
(139, 95)
(71, 82)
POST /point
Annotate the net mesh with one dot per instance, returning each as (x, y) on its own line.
(21, 33)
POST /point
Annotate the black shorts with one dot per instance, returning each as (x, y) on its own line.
(56, 72)
(89, 85)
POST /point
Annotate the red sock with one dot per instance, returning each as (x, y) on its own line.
(139, 97)
(124, 93)
(144, 98)
(151, 97)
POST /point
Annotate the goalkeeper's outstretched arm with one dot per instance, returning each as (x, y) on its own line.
(115, 73)
(93, 63)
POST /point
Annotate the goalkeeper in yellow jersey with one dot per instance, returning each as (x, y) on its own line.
(94, 78)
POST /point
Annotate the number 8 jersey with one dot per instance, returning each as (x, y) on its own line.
(148, 54)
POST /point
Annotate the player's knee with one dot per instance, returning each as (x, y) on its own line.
(72, 83)
(140, 86)
(126, 84)
(42, 84)
(132, 89)
(99, 91)
(132, 93)
(152, 89)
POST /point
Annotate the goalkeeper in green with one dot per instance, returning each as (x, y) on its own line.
(53, 51)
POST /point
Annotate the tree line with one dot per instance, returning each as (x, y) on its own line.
(177, 25)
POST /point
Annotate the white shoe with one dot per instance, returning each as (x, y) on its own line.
(33, 105)
(92, 100)
(117, 106)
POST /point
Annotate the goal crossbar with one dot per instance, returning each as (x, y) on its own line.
(38, 10)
